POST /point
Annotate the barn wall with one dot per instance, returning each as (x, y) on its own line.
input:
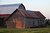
(31, 22)
(41, 22)
(34, 22)
(20, 22)
(10, 23)
(16, 21)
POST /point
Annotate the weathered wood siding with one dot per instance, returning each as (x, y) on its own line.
(28, 22)
(33, 22)
(19, 20)
(15, 21)
(10, 23)
(41, 22)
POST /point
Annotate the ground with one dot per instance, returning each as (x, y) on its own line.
(32, 30)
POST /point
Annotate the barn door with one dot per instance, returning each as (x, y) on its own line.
(19, 24)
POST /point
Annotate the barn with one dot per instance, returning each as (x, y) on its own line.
(7, 10)
(19, 17)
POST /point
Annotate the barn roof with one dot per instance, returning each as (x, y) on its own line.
(37, 14)
(30, 14)
(26, 13)
(10, 8)
(4, 15)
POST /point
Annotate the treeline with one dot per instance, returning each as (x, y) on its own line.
(47, 22)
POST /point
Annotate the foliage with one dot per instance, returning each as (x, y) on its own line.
(47, 22)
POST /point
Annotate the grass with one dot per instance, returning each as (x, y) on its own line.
(32, 30)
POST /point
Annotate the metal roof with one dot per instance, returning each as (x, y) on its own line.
(28, 14)
(32, 14)
(36, 14)
(9, 9)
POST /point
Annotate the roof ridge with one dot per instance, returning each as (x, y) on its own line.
(11, 4)
(32, 11)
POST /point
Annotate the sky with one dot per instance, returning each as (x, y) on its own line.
(36, 5)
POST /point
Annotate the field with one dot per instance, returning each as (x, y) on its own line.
(32, 30)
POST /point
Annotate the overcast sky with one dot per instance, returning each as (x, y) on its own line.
(39, 5)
